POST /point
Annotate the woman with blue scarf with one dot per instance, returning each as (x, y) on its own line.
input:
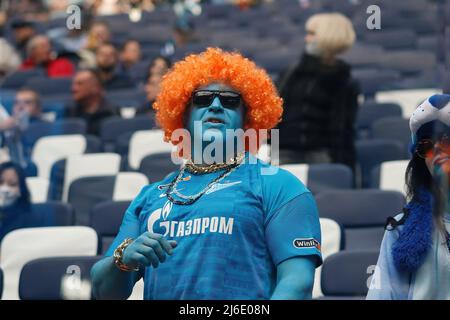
(414, 262)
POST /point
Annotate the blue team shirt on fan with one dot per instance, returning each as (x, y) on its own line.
(231, 239)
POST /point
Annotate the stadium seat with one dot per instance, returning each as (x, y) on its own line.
(38, 188)
(114, 127)
(330, 244)
(371, 153)
(375, 79)
(144, 143)
(47, 86)
(346, 274)
(321, 177)
(361, 213)
(390, 175)
(407, 61)
(156, 166)
(392, 128)
(21, 246)
(392, 39)
(85, 193)
(409, 100)
(126, 97)
(89, 165)
(59, 127)
(19, 78)
(57, 213)
(57, 278)
(106, 218)
(371, 111)
(363, 56)
(48, 150)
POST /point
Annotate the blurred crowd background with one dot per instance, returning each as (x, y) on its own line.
(78, 136)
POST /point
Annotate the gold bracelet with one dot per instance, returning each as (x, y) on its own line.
(118, 255)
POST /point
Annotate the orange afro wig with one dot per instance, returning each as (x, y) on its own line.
(264, 106)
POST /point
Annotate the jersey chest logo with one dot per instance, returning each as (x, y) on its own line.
(158, 222)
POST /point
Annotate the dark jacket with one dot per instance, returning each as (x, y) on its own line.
(320, 106)
(93, 120)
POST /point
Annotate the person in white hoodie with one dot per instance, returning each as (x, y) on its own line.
(414, 261)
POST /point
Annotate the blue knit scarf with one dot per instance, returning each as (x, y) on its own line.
(410, 249)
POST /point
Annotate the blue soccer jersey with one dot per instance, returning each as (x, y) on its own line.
(231, 239)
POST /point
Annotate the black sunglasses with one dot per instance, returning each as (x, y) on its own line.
(204, 98)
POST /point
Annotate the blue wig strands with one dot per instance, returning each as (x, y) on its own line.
(411, 248)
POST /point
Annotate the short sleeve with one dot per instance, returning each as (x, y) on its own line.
(278, 189)
(294, 230)
(387, 282)
(130, 224)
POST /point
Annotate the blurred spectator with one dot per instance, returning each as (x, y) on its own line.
(155, 71)
(26, 110)
(320, 97)
(130, 54)
(40, 54)
(99, 33)
(23, 32)
(27, 102)
(70, 40)
(107, 60)
(9, 59)
(160, 65)
(105, 7)
(35, 10)
(15, 205)
(57, 8)
(152, 88)
(135, 8)
(89, 100)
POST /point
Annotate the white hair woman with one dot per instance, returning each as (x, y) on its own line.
(320, 96)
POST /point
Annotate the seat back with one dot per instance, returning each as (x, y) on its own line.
(347, 273)
(57, 278)
(21, 246)
(38, 188)
(89, 165)
(144, 143)
(48, 150)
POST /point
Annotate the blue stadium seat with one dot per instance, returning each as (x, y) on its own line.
(48, 86)
(392, 128)
(322, 177)
(112, 128)
(126, 97)
(84, 193)
(392, 39)
(57, 213)
(371, 111)
(19, 78)
(106, 218)
(59, 127)
(371, 153)
(41, 279)
(375, 79)
(157, 166)
(361, 213)
(345, 274)
(409, 62)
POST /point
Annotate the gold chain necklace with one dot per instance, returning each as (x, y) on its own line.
(198, 169)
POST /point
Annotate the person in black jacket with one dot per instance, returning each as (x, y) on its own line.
(320, 97)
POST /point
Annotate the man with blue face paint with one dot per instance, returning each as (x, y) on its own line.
(220, 230)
